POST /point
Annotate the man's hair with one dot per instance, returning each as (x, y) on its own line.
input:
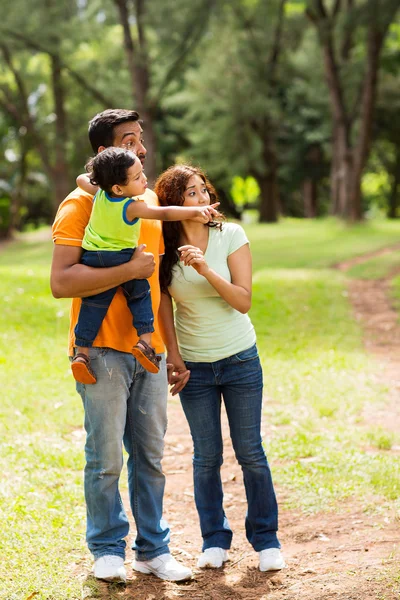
(101, 127)
(110, 167)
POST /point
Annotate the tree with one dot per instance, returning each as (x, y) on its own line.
(233, 109)
(352, 98)
(142, 66)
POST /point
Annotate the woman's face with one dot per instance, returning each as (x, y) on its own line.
(196, 193)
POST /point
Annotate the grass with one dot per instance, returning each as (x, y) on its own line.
(378, 267)
(317, 381)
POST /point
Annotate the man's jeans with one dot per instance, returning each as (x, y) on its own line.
(94, 308)
(239, 380)
(127, 405)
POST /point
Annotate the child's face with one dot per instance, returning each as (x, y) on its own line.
(136, 181)
(196, 193)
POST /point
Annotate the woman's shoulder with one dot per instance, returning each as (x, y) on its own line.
(229, 230)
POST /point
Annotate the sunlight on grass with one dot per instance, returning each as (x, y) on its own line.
(376, 268)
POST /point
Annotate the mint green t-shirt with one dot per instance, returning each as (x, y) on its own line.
(108, 227)
(207, 327)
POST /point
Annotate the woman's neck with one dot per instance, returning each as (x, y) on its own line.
(195, 234)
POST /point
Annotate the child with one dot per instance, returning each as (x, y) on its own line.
(111, 237)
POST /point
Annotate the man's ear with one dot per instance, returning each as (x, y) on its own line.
(100, 149)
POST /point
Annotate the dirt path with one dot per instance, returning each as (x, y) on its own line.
(347, 555)
(343, 556)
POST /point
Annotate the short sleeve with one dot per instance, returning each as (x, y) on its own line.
(71, 219)
(238, 238)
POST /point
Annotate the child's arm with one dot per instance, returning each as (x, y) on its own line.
(83, 182)
(202, 214)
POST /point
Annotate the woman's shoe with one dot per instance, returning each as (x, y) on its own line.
(271, 559)
(212, 558)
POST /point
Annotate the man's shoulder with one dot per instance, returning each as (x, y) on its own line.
(150, 197)
(77, 200)
(72, 217)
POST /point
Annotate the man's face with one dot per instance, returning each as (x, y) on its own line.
(130, 136)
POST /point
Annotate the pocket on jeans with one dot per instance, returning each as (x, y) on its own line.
(245, 355)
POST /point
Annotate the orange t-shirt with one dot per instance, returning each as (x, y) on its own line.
(116, 331)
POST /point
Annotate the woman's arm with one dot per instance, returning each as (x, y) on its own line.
(236, 293)
(202, 214)
(178, 374)
(70, 279)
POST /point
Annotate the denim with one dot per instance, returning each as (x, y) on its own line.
(94, 308)
(127, 406)
(238, 381)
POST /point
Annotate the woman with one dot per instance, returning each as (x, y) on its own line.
(207, 271)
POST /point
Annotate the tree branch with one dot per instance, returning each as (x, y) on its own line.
(276, 46)
(29, 43)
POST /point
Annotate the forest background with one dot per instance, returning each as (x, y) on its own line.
(292, 107)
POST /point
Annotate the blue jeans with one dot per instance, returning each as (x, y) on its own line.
(94, 308)
(238, 379)
(127, 405)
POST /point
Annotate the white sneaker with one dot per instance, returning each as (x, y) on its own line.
(110, 567)
(271, 559)
(164, 566)
(212, 558)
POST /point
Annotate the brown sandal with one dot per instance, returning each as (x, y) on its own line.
(146, 356)
(81, 369)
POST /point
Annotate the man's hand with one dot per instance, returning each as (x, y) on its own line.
(178, 376)
(143, 263)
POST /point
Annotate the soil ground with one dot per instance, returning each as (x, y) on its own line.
(346, 554)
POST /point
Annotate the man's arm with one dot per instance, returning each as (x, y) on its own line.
(70, 279)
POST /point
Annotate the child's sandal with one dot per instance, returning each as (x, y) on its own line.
(146, 356)
(81, 369)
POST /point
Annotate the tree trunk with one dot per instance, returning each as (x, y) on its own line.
(140, 81)
(17, 193)
(395, 189)
(150, 143)
(60, 177)
(269, 197)
(310, 198)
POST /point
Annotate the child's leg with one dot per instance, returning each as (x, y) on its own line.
(91, 316)
(139, 302)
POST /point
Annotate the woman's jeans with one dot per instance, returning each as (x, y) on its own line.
(94, 308)
(127, 406)
(238, 379)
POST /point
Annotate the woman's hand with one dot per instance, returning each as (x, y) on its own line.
(191, 256)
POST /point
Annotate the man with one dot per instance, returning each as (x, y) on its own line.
(127, 405)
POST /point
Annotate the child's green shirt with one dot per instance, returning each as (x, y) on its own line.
(108, 227)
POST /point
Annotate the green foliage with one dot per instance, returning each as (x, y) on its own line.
(245, 191)
(215, 90)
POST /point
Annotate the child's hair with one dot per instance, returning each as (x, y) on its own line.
(110, 167)
(170, 188)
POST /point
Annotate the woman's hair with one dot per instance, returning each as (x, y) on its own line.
(110, 167)
(170, 188)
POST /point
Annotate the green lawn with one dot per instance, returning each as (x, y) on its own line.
(317, 380)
